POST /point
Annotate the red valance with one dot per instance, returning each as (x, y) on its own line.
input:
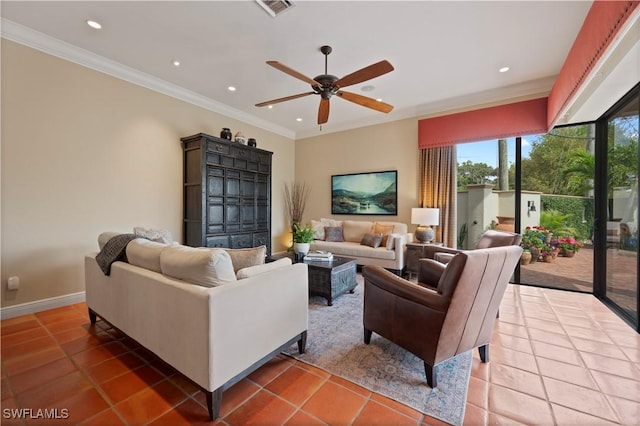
(503, 121)
(604, 20)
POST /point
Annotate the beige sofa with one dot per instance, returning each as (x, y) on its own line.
(391, 254)
(214, 335)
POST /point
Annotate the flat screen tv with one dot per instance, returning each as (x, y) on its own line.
(373, 193)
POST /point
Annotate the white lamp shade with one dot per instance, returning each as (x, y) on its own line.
(425, 216)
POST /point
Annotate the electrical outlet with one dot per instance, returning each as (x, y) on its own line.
(13, 283)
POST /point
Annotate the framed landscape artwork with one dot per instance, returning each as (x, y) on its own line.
(365, 193)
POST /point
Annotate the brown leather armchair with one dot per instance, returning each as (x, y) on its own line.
(429, 273)
(436, 325)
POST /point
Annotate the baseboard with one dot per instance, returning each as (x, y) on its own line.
(41, 305)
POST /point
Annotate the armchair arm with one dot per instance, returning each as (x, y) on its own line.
(430, 251)
(389, 282)
(429, 272)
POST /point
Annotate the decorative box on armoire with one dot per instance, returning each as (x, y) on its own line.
(227, 193)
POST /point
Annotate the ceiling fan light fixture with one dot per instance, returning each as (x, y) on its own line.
(368, 88)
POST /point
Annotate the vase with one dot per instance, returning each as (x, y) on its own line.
(535, 253)
(525, 257)
(252, 142)
(302, 248)
(548, 258)
(226, 133)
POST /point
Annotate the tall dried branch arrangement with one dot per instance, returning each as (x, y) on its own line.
(295, 200)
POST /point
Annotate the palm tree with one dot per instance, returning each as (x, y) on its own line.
(580, 171)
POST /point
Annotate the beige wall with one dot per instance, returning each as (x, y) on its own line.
(83, 152)
(389, 146)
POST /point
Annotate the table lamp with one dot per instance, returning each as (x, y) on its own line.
(424, 217)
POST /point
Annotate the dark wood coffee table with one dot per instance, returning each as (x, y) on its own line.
(331, 279)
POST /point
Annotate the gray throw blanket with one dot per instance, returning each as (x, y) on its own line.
(114, 250)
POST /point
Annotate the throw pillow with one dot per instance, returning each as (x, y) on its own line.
(198, 265)
(157, 235)
(145, 254)
(318, 229)
(371, 240)
(391, 241)
(245, 257)
(252, 271)
(333, 234)
(330, 222)
(385, 230)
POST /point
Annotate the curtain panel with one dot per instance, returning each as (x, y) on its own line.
(438, 170)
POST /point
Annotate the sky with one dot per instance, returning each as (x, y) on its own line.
(487, 151)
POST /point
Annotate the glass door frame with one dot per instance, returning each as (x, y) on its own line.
(601, 211)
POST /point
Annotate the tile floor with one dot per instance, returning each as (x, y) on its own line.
(556, 358)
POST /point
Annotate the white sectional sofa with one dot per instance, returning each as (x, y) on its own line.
(390, 254)
(215, 332)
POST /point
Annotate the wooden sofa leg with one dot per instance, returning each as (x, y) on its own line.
(92, 316)
(302, 343)
(214, 400)
(367, 336)
(484, 353)
(430, 372)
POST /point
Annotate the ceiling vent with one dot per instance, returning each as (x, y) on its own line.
(275, 7)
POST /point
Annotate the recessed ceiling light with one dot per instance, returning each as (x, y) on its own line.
(504, 69)
(298, 119)
(270, 107)
(176, 63)
(367, 88)
(231, 88)
(94, 24)
(379, 100)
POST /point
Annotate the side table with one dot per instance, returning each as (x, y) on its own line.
(415, 252)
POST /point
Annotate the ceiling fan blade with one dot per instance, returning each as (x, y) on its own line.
(365, 101)
(364, 74)
(323, 111)
(293, 73)
(286, 98)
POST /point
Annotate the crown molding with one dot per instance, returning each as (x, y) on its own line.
(52, 46)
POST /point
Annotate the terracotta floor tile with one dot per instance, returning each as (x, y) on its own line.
(551, 338)
(237, 394)
(107, 417)
(614, 366)
(270, 370)
(72, 334)
(475, 416)
(512, 342)
(497, 420)
(187, 413)
(584, 322)
(591, 346)
(567, 416)
(315, 370)
(187, 386)
(300, 418)
(480, 369)
(54, 391)
(632, 354)
(151, 403)
(588, 333)
(23, 336)
(628, 411)
(42, 374)
(295, 385)
(67, 324)
(566, 372)
(351, 386)
(21, 349)
(514, 358)
(515, 379)
(628, 338)
(546, 350)
(618, 386)
(122, 387)
(478, 392)
(374, 413)
(98, 354)
(334, 404)
(87, 340)
(263, 408)
(18, 326)
(518, 406)
(5, 391)
(16, 320)
(397, 406)
(33, 360)
(114, 367)
(578, 398)
(510, 329)
(550, 326)
(80, 406)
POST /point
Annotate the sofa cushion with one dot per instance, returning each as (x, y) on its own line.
(145, 254)
(330, 222)
(333, 233)
(318, 229)
(390, 244)
(198, 265)
(384, 229)
(246, 257)
(371, 240)
(350, 249)
(252, 271)
(354, 230)
(157, 235)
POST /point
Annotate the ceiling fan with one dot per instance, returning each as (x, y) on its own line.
(327, 85)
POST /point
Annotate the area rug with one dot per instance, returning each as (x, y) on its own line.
(335, 344)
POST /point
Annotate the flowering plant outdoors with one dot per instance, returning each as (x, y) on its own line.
(547, 250)
(569, 244)
(534, 236)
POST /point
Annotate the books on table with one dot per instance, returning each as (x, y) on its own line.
(319, 255)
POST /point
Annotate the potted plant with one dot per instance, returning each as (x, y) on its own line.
(302, 238)
(569, 246)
